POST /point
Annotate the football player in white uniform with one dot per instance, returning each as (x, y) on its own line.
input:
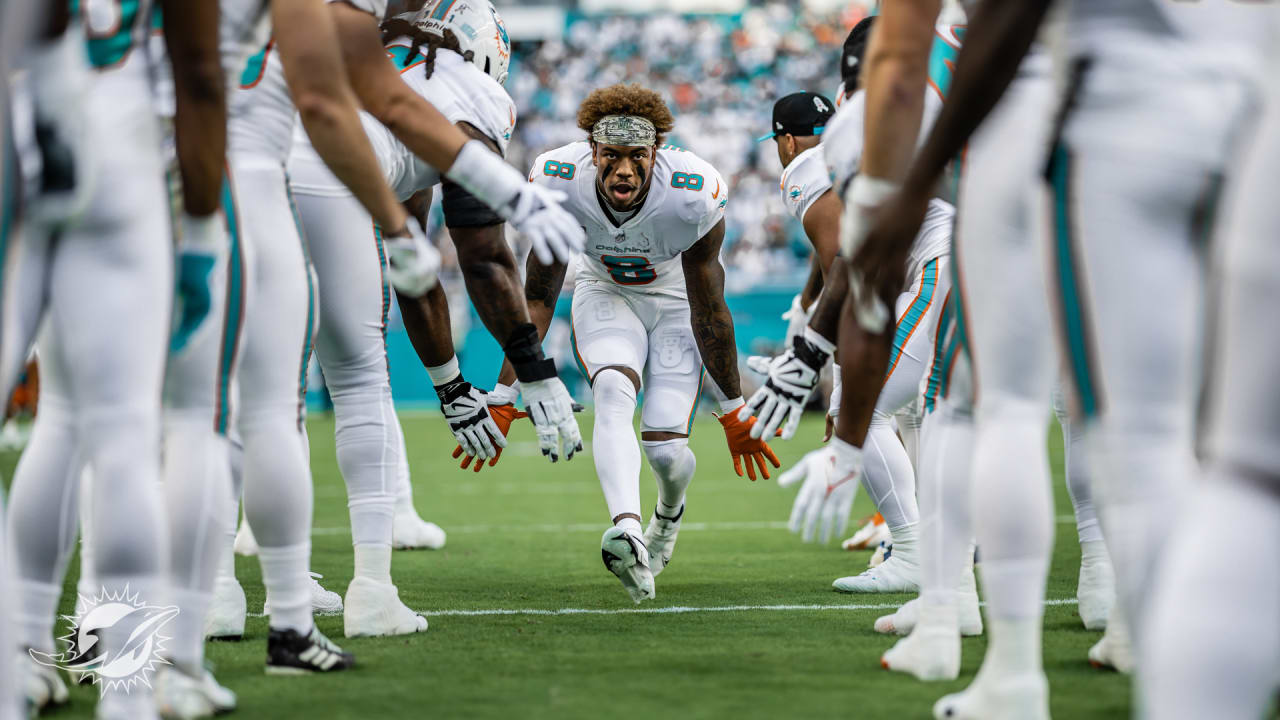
(648, 311)
(1112, 172)
(440, 52)
(887, 473)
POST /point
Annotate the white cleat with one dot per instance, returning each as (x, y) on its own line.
(410, 532)
(626, 556)
(932, 651)
(894, 575)
(1114, 651)
(904, 620)
(1009, 697)
(323, 602)
(41, 684)
(660, 539)
(227, 609)
(1096, 588)
(869, 536)
(373, 609)
(180, 696)
(245, 544)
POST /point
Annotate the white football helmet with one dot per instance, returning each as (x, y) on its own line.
(479, 30)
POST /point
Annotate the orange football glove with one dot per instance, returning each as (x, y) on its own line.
(738, 433)
(503, 416)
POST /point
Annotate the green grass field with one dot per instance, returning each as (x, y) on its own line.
(524, 536)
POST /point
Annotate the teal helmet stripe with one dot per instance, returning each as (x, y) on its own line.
(442, 9)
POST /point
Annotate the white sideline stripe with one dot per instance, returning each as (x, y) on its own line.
(672, 610)
(596, 527)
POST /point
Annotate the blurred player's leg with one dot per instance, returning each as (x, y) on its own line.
(611, 343)
(227, 609)
(197, 469)
(888, 473)
(355, 299)
(1096, 587)
(672, 383)
(279, 328)
(44, 486)
(1212, 641)
(1003, 310)
(948, 602)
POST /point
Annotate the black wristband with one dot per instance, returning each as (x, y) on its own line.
(452, 390)
(807, 353)
(524, 350)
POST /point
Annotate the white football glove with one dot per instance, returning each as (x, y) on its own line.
(823, 496)
(530, 208)
(864, 195)
(413, 263)
(837, 385)
(551, 410)
(797, 318)
(466, 409)
(792, 377)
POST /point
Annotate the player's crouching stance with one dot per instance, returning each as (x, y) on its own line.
(648, 312)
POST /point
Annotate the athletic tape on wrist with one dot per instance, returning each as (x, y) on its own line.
(728, 406)
(442, 374)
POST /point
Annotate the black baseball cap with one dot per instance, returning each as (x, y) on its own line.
(801, 114)
(855, 46)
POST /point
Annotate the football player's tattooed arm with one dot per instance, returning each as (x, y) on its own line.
(489, 268)
(308, 48)
(200, 124)
(542, 284)
(709, 314)
(896, 70)
(822, 225)
(413, 120)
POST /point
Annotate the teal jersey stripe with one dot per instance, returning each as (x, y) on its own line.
(943, 347)
(113, 48)
(1068, 282)
(233, 320)
(915, 312)
(577, 358)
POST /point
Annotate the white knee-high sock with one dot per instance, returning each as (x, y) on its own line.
(368, 445)
(1013, 517)
(613, 443)
(673, 466)
(946, 514)
(1079, 479)
(888, 476)
(197, 485)
(284, 573)
(1212, 644)
(278, 503)
(226, 552)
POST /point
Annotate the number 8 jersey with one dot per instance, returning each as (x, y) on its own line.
(638, 250)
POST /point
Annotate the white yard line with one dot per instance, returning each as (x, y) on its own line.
(671, 610)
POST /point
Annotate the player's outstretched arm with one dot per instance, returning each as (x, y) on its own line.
(530, 208)
(314, 70)
(542, 285)
(713, 332)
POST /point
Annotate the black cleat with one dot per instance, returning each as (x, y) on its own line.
(292, 653)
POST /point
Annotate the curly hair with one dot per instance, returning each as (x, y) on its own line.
(626, 100)
(398, 27)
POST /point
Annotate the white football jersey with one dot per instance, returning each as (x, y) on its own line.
(687, 197)
(804, 181)
(261, 111)
(457, 88)
(842, 145)
(244, 27)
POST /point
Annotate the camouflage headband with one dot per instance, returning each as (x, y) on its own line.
(626, 130)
